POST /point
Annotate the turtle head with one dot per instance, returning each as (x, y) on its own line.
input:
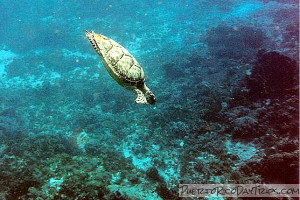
(150, 97)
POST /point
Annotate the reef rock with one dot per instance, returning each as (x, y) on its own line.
(277, 168)
(234, 42)
(273, 75)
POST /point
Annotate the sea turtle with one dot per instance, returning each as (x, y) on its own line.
(122, 66)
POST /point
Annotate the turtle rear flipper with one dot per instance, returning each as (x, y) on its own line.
(141, 99)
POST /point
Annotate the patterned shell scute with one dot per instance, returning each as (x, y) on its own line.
(114, 55)
(135, 73)
(128, 68)
(107, 45)
(124, 63)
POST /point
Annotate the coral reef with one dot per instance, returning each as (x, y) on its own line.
(56, 172)
(10, 123)
(234, 42)
(277, 168)
(273, 75)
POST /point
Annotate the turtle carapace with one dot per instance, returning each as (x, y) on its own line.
(122, 66)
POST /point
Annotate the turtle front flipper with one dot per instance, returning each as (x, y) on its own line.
(141, 99)
(148, 95)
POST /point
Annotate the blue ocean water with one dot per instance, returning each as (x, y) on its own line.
(224, 73)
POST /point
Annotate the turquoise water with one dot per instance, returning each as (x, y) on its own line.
(224, 74)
